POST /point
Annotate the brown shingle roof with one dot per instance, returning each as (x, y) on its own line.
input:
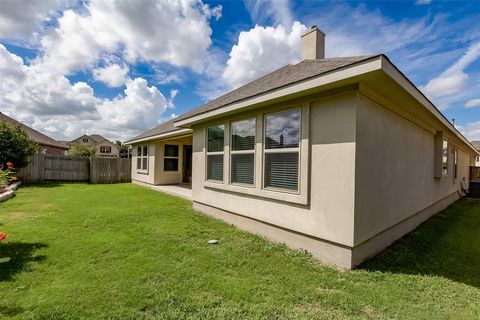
(476, 144)
(162, 128)
(284, 76)
(38, 137)
(96, 137)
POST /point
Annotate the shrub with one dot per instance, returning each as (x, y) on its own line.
(80, 150)
(15, 145)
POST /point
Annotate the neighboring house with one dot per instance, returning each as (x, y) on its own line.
(103, 147)
(476, 144)
(338, 156)
(46, 144)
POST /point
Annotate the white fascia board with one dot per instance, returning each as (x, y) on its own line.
(406, 84)
(161, 136)
(341, 74)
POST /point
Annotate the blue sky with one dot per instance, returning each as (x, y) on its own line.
(117, 68)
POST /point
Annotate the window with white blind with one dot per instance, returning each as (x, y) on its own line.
(282, 150)
(445, 157)
(142, 158)
(242, 155)
(170, 157)
(215, 152)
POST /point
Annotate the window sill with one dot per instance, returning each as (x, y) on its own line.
(142, 171)
(266, 194)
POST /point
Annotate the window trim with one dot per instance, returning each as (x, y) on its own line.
(212, 153)
(104, 148)
(170, 157)
(447, 151)
(142, 157)
(302, 197)
(265, 151)
(252, 151)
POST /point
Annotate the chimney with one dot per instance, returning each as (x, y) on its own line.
(313, 44)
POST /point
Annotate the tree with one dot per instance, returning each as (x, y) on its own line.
(124, 149)
(15, 145)
(81, 150)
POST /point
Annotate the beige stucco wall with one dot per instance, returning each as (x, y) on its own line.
(328, 213)
(370, 178)
(115, 152)
(394, 169)
(170, 177)
(138, 175)
(156, 174)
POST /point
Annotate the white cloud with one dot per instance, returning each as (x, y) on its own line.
(454, 79)
(276, 10)
(472, 103)
(262, 50)
(21, 18)
(176, 32)
(112, 75)
(138, 109)
(446, 84)
(471, 131)
(52, 104)
(173, 93)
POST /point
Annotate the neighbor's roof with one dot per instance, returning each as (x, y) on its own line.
(97, 137)
(476, 144)
(165, 127)
(38, 137)
(284, 76)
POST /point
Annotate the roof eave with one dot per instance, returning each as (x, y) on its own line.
(342, 73)
(400, 78)
(171, 134)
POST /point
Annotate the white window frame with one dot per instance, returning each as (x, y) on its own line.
(281, 150)
(142, 157)
(233, 152)
(212, 153)
(302, 196)
(445, 165)
(105, 148)
(170, 157)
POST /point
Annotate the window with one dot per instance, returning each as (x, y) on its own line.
(282, 150)
(105, 149)
(142, 158)
(243, 151)
(85, 139)
(445, 157)
(455, 163)
(215, 152)
(170, 157)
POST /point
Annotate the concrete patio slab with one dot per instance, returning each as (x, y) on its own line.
(180, 190)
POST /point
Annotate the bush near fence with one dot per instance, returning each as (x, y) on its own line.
(55, 168)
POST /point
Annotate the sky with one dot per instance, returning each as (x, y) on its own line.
(117, 68)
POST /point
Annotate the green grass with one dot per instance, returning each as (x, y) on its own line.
(126, 252)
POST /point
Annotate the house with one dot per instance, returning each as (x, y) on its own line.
(46, 145)
(103, 147)
(476, 144)
(338, 156)
(162, 155)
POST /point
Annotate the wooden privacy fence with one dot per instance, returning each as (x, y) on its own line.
(44, 168)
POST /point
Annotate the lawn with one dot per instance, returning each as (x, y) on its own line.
(127, 252)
